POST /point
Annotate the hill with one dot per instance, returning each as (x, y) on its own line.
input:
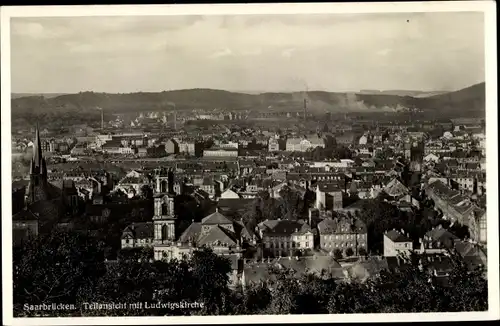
(403, 93)
(46, 95)
(471, 99)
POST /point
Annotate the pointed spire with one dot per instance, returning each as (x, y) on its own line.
(43, 169)
(37, 148)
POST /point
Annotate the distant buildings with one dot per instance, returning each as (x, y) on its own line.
(220, 152)
(304, 143)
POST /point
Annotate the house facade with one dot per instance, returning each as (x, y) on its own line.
(343, 233)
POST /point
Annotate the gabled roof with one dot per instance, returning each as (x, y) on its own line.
(440, 234)
(230, 194)
(395, 188)
(341, 225)
(396, 236)
(192, 233)
(24, 215)
(142, 230)
(216, 234)
(285, 227)
(329, 187)
(216, 218)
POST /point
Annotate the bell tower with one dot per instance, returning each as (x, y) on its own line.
(164, 219)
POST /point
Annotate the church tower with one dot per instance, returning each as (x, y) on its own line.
(38, 185)
(164, 219)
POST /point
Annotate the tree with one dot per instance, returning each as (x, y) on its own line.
(210, 273)
(362, 251)
(55, 268)
(337, 253)
(146, 192)
(349, 252)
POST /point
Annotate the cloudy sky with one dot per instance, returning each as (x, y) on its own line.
(335, 52)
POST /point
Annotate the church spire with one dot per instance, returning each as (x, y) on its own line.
(37, 148)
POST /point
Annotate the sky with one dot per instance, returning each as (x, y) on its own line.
(330, 52)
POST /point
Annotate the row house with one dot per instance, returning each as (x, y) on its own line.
(220, 152)
(458, 208)
(342, 233)
(285, 237)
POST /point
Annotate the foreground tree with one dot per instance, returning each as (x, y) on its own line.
(54, 269)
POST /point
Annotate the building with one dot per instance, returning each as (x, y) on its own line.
(221, 152)
(396, 243)
(437, 241)
(328, 197)
(132, 183)
(165, 223)
(477, 225)
(44, 201)
(138, 235)
(216, 231)
(285, 237)
(304, 144)
(172, 147)
(454, 206)
(342, 233)
(276, 145)
(190, 147)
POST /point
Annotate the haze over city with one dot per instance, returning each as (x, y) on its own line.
(412, 51)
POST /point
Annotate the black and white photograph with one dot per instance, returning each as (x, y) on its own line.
(250, 163)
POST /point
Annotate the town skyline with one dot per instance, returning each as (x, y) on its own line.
(278, 53)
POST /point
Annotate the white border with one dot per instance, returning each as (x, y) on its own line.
(488, 7)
